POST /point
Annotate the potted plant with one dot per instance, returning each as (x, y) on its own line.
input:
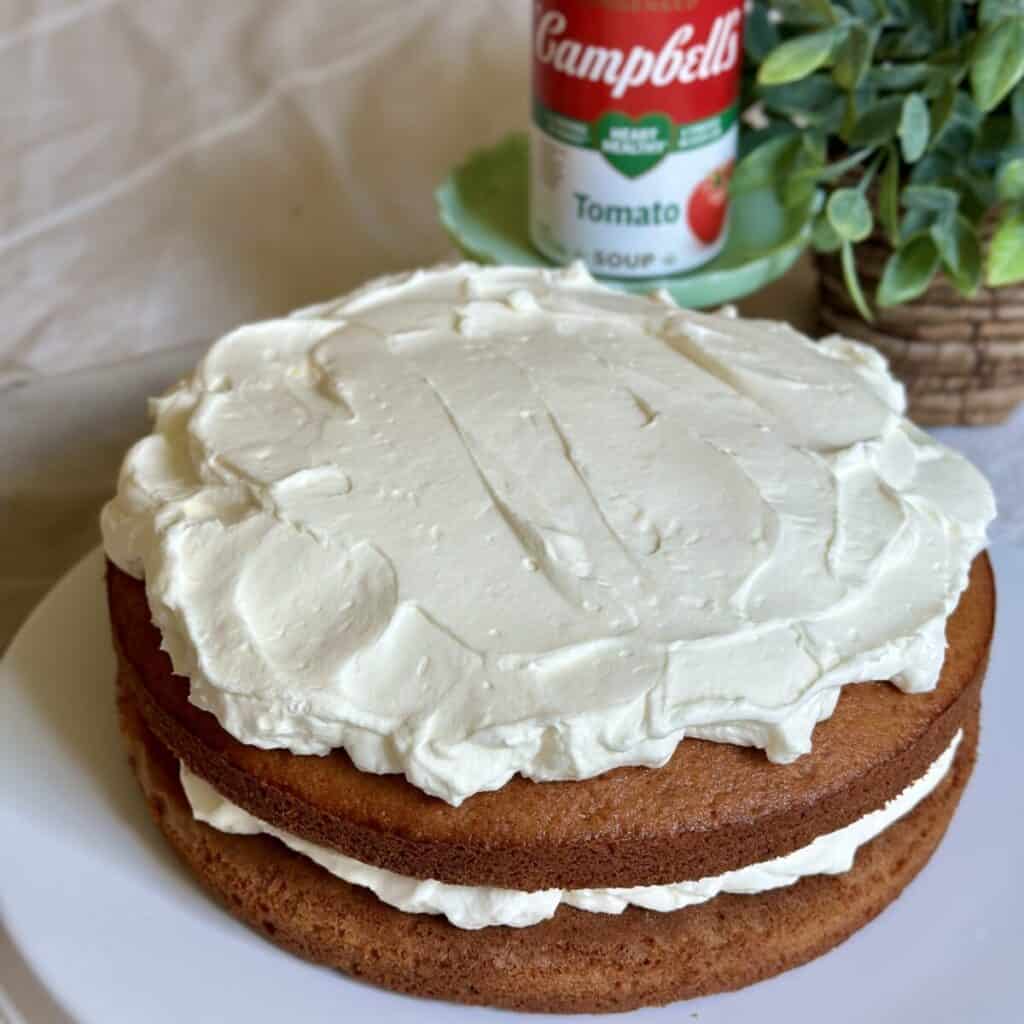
(906, 119)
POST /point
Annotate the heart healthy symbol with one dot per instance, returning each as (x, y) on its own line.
(632, 145)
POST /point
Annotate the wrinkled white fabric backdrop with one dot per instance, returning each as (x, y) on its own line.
(169, 168)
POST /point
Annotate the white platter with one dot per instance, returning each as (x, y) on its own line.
(102, 925)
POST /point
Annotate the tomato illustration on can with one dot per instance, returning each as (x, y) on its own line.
(709, 204)
(633, 131)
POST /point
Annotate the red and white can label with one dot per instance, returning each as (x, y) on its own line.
(633, 131)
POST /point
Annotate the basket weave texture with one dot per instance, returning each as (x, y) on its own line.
(962, 360)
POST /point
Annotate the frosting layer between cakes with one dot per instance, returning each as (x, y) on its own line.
(467, 906)
(471, 522)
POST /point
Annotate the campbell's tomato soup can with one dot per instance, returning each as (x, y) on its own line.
(633, 131)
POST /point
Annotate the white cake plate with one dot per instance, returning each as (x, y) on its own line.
(103, 926)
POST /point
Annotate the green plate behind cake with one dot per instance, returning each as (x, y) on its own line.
(483, 207)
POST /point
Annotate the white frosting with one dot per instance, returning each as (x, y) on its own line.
(469, 522)
(480, 906)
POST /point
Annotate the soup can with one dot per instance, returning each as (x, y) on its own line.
(633, 131)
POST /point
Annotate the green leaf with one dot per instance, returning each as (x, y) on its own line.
(823, 236)
(868, 10)
(771, 132)
(944, 112)
(914, 222)
(1006, 251)
(859, 100)
(853, 56)
(798, 191)
(806, 13)
(931, 198)
(956, 124)
(898, 77)
(949, 58)
(760, 35)
(762, 167)
(802, 97)
(967, 110)
(944, 235)
(798, 170)
(964, 269)
(1010, 180)
(908, 271)
(902, 11)
(929, 79)
(956, 20)
(830, 119)
(941, 15)
(957, 140)
(997, 63)
(977, 193)
(995, 10)
(798, 57)
(933, 12)
(914, 125)
(942, 77)
(1017, 111)
(995, 136)
(933, 168)
(889, 197)
(852, 281)
(828, 14)
(917, 42)
(870, 171)
(850, 214)
(878, 124)
(840, 167)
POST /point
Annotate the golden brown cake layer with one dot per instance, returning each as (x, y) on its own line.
(712, 808)
(575, 962)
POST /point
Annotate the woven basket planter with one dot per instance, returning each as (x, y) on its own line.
(962, 360)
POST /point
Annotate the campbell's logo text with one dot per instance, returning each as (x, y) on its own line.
(684, 57)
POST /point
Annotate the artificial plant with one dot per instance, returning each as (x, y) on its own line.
(908, 115)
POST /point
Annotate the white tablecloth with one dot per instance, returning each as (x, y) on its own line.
(173, 167)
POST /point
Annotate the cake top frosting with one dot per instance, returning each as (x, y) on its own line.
(471, 522)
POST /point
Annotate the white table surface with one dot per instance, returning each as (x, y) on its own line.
(172, 168)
